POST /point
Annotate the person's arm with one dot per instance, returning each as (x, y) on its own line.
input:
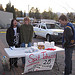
(8, 38)
(21, 34)
(68, 34)
(31, 32)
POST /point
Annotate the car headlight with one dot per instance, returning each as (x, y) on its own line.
(55, 33)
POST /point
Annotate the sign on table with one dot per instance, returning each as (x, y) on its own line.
(43, 60)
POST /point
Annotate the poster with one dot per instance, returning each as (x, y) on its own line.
(43, 60)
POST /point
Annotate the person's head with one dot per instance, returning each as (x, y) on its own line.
(26, 20)
(63, 20)
(13, 23)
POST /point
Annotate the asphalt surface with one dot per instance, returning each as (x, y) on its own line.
(58, 67)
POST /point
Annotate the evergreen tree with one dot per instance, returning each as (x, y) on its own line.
(11, 9)
(24, 14)
(1, 7)
(32, 12)
(70, 17)
(37, 14)
(8, 7)
(45, 15)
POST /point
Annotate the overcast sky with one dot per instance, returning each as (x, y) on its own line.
(56, 5)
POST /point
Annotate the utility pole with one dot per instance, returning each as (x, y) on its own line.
(28, 10)
(9, 1)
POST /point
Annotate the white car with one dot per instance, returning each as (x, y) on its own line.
(50, 31)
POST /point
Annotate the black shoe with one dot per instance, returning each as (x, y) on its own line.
(11, 67)
(16, 66)
(70, 72)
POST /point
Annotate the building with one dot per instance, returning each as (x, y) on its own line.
(5, 19)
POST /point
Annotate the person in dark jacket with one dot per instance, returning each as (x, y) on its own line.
(26, 33)
(68, 43)
(13, 39)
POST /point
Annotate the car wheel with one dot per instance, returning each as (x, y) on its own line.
(34, 35)
(48, 38)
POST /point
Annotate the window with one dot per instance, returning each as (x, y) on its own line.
(53, 26)
(43, 27)
(39, 26)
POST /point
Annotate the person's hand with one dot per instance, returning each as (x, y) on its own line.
(65, 45)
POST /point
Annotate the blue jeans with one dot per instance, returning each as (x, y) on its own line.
(23, 45)
(68, 60)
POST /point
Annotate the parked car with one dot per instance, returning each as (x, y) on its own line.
(50, 31)
(34, 24)
(74, 24)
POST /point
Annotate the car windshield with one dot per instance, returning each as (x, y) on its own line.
(53, 26)
(74, 24)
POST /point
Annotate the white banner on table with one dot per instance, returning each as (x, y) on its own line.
(39, 61)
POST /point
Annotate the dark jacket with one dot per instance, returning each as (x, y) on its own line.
(10, 36)
(26, 32)
(69, 35)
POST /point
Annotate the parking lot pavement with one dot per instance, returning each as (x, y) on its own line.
(57, 69)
